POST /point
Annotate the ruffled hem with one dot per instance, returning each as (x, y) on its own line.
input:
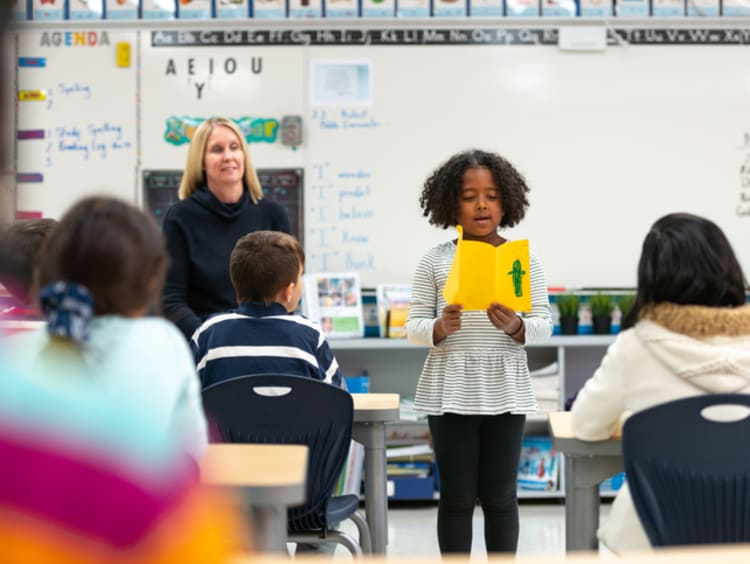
(475, 382)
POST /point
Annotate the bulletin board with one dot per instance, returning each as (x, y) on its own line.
(608, 140)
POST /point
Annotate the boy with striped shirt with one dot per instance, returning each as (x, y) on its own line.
(263, 335)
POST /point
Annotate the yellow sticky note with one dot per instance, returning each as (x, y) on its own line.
(32, 95)
(123, 54)
(482, 273)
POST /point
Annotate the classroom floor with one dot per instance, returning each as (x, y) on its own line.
(411, 530)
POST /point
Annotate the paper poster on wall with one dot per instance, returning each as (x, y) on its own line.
(485, 8)
(341, 8)
(48, 10)
(86, 10)
(305, 8)
(341, 82)
(232, 9)
(413, 8)
(158, 9)
(20, 10)
(194, 9)
(269, 9)
(378, 8)
(121, 9)
(449, 8)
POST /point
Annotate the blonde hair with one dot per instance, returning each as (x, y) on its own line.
(194, 176)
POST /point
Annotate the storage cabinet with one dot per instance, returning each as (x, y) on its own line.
(394, 365)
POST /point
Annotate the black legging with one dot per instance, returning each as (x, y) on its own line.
(477, 458)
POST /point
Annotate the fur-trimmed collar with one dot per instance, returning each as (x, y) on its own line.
(700, 322)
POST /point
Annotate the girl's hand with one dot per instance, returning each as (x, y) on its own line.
(504, 318)
(448, 323)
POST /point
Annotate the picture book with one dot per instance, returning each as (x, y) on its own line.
(393, 307)
(538, 467)
(482, 273)
(334, 301)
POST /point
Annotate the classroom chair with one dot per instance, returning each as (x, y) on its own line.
(688, 469)
(275, 408)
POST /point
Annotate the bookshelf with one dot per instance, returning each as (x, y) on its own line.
(394, 365)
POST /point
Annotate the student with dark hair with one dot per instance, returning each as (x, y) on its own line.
(97, 278)
(19, 249)
(221, 200)
(687, 334)
(263, 335)
(475, 386)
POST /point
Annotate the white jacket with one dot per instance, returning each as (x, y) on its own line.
(672, 352)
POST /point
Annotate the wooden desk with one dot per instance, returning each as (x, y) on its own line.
(270, 477)
(371, 413)
(587, 464)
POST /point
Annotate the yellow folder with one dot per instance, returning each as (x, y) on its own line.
(482, 273)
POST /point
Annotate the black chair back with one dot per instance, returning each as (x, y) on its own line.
(283, 409)
(689, 474)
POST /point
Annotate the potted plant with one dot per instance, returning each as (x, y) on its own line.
(602, 306)
(567, 305)
(625, 304)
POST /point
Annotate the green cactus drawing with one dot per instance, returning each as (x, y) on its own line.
(517, 273)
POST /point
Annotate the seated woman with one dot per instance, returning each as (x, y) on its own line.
(687, 334)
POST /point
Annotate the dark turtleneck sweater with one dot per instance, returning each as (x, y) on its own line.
(200, 234)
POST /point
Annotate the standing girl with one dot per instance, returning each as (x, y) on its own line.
(475, 385)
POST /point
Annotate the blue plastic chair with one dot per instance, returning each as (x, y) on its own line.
(283, 409)
(688, 474)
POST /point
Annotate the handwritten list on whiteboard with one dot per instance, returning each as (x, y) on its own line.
(76, 120)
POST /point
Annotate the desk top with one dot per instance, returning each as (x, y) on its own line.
(563, 439)
(268, 473)
(374, 408)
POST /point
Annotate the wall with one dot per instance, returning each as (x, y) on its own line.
(608, 141)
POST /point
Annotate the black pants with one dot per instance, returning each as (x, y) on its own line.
(477, 458)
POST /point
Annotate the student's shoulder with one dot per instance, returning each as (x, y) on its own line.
(301, 323)
(218, 321)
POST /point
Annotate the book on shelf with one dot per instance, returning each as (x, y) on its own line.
(538, 468)
(393, 307)
(350, 480)
(414, 453)
(335, 301)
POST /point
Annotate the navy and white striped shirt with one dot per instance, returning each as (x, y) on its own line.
(260, 339)
(478, 370)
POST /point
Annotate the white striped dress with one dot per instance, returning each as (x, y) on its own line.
(479, 370)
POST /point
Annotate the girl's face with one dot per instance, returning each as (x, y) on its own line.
(223, 161)
(479, 207)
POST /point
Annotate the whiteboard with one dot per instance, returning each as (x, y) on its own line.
(87, 119)
(608, 141)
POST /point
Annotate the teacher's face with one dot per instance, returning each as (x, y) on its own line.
(223, 161)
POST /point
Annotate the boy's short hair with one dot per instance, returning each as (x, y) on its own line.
(19, 252)
(263, 263)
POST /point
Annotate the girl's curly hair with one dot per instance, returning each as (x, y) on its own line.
(441, 191)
